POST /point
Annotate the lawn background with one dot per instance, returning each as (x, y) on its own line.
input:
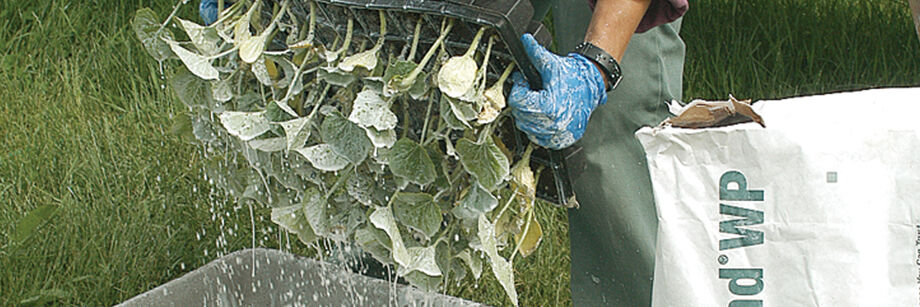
(85, 125)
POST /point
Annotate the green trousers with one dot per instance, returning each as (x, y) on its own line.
(613, 232)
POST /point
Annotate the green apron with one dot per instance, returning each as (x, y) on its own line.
(613, 232)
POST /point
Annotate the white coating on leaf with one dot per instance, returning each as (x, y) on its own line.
(369, 110)
(245, 125)
(204, 38)
(251, 48)
(197, 64)
(457, 76)
(297, 132)
(268, 145)
(381, 139)
(383, 218)
(366, 59)
(322, 157)
(500, 266)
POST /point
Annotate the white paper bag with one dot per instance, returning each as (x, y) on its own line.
(821, 208)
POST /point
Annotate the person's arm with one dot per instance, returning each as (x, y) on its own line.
(613, 24)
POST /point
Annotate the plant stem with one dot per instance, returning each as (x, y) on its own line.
(529, 216)
(425, 125)
(339, 182)
(507, 205)
(410, 79)
(418, 28)
(475, 43)
(169, 18)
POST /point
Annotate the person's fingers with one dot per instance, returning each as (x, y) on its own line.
(539, 56)
(521, 96)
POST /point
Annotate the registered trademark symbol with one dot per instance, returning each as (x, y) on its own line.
(723, 259)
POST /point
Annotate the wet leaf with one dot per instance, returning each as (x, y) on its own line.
(366, 59)
(422, 259)
(383, 218)
(500, 266)
(477, 201)
(252, 47)
(335, 77)
(360, 187)
(191, 90)
(260, 71)
(381, 139)
(422, 281)
(472, 261)
(297, 131)
(292, 219)
(369, 110)
(368, 241)
(410, 161)
(447, 114)
(322, 157)
(485, 161)
(197, 64)
(531, 239)
(204, 38)
(314, 211)
(220, 90)
(463, 111)
(417, 211)
(146, 26)
(346, 138)
(522, 179)
(457, 76)
(245, 125)
(268, 145)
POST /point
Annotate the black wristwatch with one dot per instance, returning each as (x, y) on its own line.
(608, 64)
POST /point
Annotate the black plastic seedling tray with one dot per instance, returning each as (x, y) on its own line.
(509, 19)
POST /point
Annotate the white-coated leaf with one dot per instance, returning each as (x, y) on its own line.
(381, 139)
(323, 157)
(335, 76)
(146, 26)
(410, 161)
(297, 131)
(371, 110)
(204, 38)
(251, 49)
(421, 259)
(197, 64)
(383, 218)
(473, 262)
(463, 111)
(261, 72)
(492, 105)
(457, 76)
(292, 219)
(245, 125)
(268, 145)
(366, 59)
(501, 267)
(314, 209)
(221, 90)
(485, 161)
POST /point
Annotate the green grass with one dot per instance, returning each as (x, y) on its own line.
(85, 128)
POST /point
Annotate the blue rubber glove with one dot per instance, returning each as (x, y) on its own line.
(556, 116)
(208, 11)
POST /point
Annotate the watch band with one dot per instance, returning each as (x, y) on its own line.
(603, 59)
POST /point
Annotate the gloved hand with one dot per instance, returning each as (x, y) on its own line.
(208, 11)
(556, 116)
